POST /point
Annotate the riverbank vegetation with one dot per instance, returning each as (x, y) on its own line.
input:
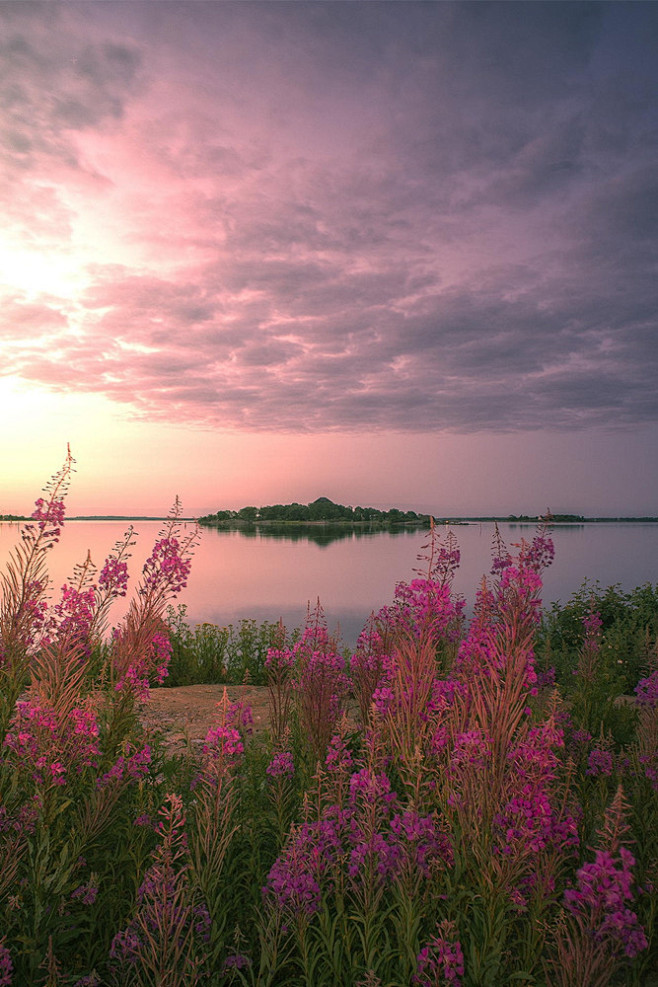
(455, 802)
(321, 510)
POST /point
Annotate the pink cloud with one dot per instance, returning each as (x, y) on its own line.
(334, 219)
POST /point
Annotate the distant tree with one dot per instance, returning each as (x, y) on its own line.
(323, 509)
(298, 512)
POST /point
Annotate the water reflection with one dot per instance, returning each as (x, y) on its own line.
(320, 534)
(238, 574)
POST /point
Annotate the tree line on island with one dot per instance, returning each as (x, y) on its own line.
(320, 510)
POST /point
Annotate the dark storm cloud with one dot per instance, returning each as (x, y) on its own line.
(386, 216)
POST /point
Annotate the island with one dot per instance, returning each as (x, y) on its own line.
(320, 511)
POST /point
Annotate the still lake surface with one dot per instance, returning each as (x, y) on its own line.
(238, 575)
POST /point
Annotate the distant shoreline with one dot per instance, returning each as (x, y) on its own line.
(531, 522)
(13, 519)
(238, 523)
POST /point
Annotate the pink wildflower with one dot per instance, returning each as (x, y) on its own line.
(281, 765)
(441, 962)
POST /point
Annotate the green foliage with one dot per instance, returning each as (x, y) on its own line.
(320, 510)
(209, 654)
(629, 628)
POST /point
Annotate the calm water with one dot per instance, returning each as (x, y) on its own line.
(237, 575)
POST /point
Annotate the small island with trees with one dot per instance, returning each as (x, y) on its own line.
(320, 511)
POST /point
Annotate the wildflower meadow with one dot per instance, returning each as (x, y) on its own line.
(458, 802)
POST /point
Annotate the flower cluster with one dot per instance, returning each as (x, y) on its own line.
(72, 618)
(365, 842)
(51, 743)
(85, 893)
(424, 606)
(6, 965)
(441, 962)
(113, 577)
(281, 765)
(223, 743)
(294, 880)
(167, 569)
(166, 931)
(600, 762)
(150, 663)
(321, 685)
(49, 514)
(128, 767)
(422, 839)
(647, 690)
(601, 896)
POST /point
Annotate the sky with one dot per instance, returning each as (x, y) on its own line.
(395, 254)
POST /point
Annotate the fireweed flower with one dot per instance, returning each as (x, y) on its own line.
(86, 893)
(471, 747)
(424, 606)
(320, 685)
(131, 767)
(647, 690)
(602, 895)
(444, 692)
(369, 787)
(72, 618)
(530, 822)
(23, 586)
(601, 930)
(52, 743)
(281, 765)
(223, 742)
(377, 853)
(6, 965)
(533, 819)
(151, 663)
(49, 513)
(223, 747)
(593, 624)
(295, 879)
(600, 762)
(339, 757)
(441, 962)
(113, 577)
(383, 700)
(278, 658)
(422, 839)
(167, 569)
(163, 932)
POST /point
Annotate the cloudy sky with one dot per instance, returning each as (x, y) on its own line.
(392, 253)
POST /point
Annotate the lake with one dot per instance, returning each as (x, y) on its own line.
(238, 574)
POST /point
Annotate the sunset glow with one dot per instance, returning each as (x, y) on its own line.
(395, 254)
